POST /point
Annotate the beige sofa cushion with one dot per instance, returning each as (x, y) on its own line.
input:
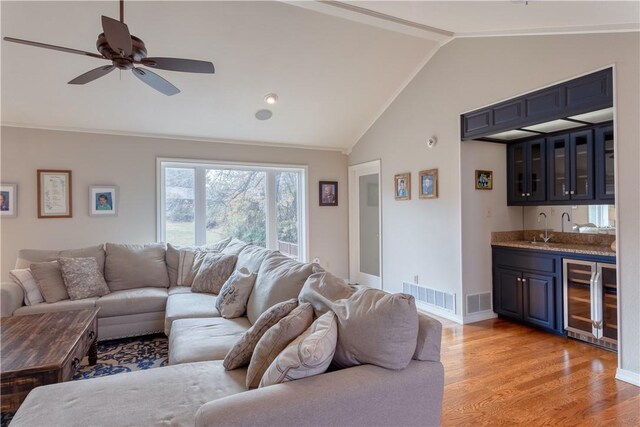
(26, 257)
(232, 299)
(321, 289)
(196, 340)
(132, 301)
(188, 306)
(167, 396)
(49, 280)
(64, 305)
(251, 257)
(308, 355)
(234, 247)
(213, 273)
(376, 327)
(25, 280)
(135, 266)
(240, 354)
(276, 339)
(82, 278)
(429, 339)
(280, 278)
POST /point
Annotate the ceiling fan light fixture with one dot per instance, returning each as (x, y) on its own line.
(271, 98)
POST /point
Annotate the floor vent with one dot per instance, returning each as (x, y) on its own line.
(478, 302)
(434, 297)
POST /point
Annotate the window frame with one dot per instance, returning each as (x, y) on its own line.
(200, 167)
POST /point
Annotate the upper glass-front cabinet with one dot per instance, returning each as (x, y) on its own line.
(605, 160)
(527, 172)
(559, 166)
(582, 165)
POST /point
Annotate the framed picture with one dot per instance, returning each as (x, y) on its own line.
(54, 194)
(402, 186)
(103, 200)
(8, 200)
(328, 193)
(484, 180)
(428, 184)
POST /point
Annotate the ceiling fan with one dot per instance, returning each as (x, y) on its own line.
(127, 52)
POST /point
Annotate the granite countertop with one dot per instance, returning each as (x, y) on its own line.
(575, 248)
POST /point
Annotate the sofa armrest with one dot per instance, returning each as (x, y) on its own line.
(11, 298)
(362, 395)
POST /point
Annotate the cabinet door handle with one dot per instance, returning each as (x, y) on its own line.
(566, 193)
(524, 280)
(573, 192)
(92, 335)
(75, 363)
(528, 194)
(519, 279)
(523, 194)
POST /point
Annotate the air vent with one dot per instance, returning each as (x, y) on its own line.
(477, 303)
(430, 296)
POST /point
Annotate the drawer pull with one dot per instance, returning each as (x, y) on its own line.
(75, 363)
(92, 335)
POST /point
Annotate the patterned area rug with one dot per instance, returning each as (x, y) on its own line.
(118, 356)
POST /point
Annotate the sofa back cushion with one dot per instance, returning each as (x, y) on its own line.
(429, 339)
(280, 278)
(234, 247)
(26, 257)
(251, 257)
(135, 266)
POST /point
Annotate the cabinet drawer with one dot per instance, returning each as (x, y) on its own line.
(70, 365)
(525, 261)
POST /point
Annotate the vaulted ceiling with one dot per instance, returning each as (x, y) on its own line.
(334, 66)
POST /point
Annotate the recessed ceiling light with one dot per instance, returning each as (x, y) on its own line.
(271, 98)
(263, 114)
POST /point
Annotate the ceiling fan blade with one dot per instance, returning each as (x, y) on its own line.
(117, 35)
(50, 46)
(155, 81)
(178, 64)
(90, 76)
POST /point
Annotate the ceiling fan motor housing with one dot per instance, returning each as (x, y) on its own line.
(139, 51)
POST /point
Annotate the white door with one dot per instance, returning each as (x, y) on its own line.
(365, 249)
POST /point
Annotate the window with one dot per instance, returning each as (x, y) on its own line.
(203, 203)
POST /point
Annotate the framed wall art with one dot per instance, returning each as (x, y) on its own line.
(8, 200)
(402, 186)
(54, 194)
(484, 180)
(103, 200)
(328, 193)
(428, 184)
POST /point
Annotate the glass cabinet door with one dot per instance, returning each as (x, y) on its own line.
(605, 175)
(578, 295)
(582, 165)
(559, 165)
(517, 182)
(609, 302)
(536, 162)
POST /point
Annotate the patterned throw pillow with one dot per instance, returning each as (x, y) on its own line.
(240, 354)
(276, 339)
(214, 271)
(308, 355)
(82, 278)
(49, 280)
(24, 278)
(233, 297)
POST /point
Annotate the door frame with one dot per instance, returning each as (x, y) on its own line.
(354, 217)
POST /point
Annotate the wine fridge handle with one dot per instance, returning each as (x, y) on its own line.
(594, 299)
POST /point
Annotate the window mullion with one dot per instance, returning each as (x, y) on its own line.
(200, 200)
(270, 202)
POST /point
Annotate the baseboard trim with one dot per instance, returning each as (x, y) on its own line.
(478, 317)
(427, 309)
(628, 376)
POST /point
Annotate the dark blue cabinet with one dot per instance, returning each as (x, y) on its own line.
(571, 166)
(526, 168)
(604, 153)
(538, 299)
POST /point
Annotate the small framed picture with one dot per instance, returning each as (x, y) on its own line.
(484, 180)
(8, 200)
(103, 200)
(402, 186)
(54, 194)
(428, 184)
(328, 195)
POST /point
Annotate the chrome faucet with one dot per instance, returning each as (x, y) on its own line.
(562, 220)
(546, 236)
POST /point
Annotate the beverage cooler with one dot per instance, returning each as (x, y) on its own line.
(591, 302)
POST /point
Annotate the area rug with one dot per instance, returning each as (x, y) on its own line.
(118, 356)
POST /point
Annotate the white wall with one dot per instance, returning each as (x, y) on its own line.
(440, 239)
(130, 163)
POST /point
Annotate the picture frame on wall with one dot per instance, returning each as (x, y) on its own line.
(103, 200)
(54, 194)
(8, 200)
(484, 180)
(428, 184)
(328, 193)
(402, 186)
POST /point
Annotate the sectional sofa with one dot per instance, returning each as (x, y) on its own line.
(196, 389)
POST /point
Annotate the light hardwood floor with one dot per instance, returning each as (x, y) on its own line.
(501, 373)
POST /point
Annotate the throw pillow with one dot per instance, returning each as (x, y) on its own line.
(234, 247)
(276, 339)
(190, 261)
(82, 278)
(220, 245)
(308, 355)
(375, 327)
(233, 297)
(25, 280)
(240, 354)
(251, 257)
(49, 280)
(135, 266)
(214, 271)
(279, 279)
(322, 289)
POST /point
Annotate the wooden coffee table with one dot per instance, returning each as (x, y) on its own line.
(42, 349)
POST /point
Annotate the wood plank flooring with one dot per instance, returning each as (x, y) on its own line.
(501, 373)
